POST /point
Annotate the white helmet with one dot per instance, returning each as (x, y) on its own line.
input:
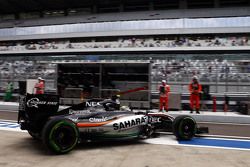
(164, 81)
(40, 78)
(195, 77)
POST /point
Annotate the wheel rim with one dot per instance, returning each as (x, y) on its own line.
(63, 137)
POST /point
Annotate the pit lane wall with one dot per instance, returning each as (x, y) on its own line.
(205, 116)
(235, 102)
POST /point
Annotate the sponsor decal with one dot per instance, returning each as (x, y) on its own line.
(34, 102)
(78, 112)
(129, 123)
(92, 104)
(154, 119)
(103, 119)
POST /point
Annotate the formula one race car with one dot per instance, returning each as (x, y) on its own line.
(61, 130)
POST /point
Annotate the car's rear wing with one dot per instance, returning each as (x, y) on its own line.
(35, 110)
(33, 106)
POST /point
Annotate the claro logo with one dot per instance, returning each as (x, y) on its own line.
(34, 102)
(103, 119)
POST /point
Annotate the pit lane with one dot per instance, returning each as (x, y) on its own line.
(20, 150)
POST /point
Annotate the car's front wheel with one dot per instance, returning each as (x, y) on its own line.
(184, 127)
(60, 135)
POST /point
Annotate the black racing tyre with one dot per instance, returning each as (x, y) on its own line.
(184, 127)
(34, 135)
(60, 135)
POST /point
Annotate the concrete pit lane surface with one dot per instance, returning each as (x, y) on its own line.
(20, 150)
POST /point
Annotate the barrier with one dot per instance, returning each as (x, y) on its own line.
(226, 103)
(214, 104)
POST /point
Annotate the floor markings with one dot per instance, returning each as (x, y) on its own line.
(9, 126)
(208, 142)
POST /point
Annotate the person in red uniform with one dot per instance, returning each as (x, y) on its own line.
(164, 90)
(195, 90)
(40, 86)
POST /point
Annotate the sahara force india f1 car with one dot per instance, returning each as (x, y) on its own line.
(61, 130)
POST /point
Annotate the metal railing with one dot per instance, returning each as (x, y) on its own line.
(185, 23)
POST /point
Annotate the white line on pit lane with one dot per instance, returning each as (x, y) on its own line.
(212, 136)
(171, 140)
(10, 126)
(227, 137)
(221, 123)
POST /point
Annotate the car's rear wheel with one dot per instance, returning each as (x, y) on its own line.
(60, 135)
(184, 127)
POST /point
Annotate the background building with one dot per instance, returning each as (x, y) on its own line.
(180, 38)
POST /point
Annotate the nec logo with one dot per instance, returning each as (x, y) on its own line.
(92, 104)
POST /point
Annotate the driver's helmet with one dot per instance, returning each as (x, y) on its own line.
(115, 97)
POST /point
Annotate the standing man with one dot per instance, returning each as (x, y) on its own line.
(40, 86)
(9, 91)
(164, 89)
(195, 90)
